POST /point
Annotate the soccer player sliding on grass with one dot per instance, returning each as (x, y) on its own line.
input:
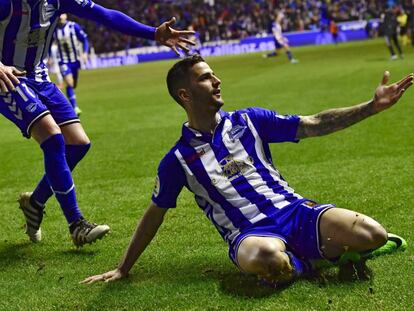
(39, 109)
(224, 159)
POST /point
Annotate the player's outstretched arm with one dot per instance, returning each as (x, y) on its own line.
(121, 22)
(143, 235)
(8, 77)
(333, 120)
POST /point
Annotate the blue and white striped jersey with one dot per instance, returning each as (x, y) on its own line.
(277, 33)
(26, 32)
(27, 27)
(25, 35)
(71, 41)
(231, 172)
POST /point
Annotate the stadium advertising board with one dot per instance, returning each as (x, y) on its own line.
(348, 31)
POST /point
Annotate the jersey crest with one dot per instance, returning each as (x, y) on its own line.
(236, 132)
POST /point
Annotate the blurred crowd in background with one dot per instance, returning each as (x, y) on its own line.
(225, 20)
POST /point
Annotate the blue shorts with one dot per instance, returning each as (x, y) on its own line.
(70, 69)
(278, 45)
(297, 225)
(33, 100)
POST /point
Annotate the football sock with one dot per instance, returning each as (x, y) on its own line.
(71, 95)
(300, 267)
(271, 54)
(289, 55)
(59, 176)
(74, 153)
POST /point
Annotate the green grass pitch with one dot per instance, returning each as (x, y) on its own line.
(132, 123)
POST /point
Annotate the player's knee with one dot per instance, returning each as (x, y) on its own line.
(44, 128)
(80, 140)
(84, 140)
(276, 266)
(270, 264)
(378, 236)
(75, 135)
(372, 235)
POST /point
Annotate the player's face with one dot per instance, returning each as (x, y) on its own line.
(205, 88)
(62, 19)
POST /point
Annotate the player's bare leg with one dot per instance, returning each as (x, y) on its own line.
(69, 80)
(289, 54)
(44, 128)
(345, 235)
(265, 257)
(75, 134)
(342, 230)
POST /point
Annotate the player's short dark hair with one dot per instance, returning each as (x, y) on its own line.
(178, 75)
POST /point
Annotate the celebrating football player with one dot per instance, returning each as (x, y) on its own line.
(224, 159)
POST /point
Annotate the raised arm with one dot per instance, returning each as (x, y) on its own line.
(143, 235)
(82, 37)
(333, 120)
(121, 22)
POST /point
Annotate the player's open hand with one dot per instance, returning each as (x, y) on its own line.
(172, 38)
(105, 277)
(8, 77)
(387, 95)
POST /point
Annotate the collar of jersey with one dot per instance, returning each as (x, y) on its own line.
(190, 133)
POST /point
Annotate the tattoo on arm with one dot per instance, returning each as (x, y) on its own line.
(333, 120)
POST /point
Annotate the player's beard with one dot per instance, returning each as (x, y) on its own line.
(218, 101)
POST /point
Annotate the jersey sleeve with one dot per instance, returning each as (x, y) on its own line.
(273, 127)
(169, 182)
(82, 37)
(109, 18)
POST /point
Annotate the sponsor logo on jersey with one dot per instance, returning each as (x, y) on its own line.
(234, 168)
(195, 156)
(20, 13)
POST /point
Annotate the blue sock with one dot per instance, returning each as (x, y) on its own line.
(289, 55)
(74, 153)
(300, 267)
(71, 95)
(59, 176)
